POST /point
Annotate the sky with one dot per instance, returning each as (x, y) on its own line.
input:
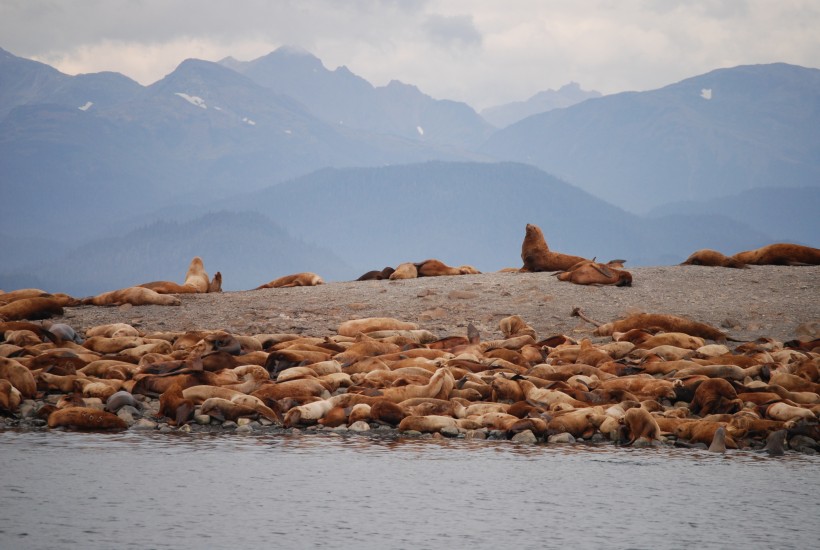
(482, 52)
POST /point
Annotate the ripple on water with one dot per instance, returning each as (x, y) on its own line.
(150, 490)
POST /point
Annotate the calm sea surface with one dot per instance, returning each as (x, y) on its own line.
(71, 490)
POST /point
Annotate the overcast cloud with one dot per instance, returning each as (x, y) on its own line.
(484, 52)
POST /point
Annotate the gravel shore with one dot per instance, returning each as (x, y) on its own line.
(762, 301)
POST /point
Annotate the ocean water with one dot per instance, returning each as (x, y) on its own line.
(137, 490)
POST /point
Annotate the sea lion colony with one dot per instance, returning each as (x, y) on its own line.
(657, 378)
(642, 385)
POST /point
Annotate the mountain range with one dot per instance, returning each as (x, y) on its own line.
(99, 173)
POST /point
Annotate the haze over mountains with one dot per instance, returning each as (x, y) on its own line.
(279, 165)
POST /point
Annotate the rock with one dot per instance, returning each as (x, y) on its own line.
(265, 422)
(462, 295)
(801, 442)
(359, 426)
(598, 438)
(185, 429)
(230, 425)
(412, 433)
(525, 437)
(28, 408)
(244, 429)
(202, 419)
(126, 416)
(561, 438)
(450, 431)
(166, 429)
(243, 421)
(475, 434)
(144, 424)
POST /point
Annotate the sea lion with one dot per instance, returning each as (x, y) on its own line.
(85, 418)
(121, 399)
(196, 276)
(297, 279)
(19, 376)
(640, 424)
(40, 307)
(718, 444)
(407, 270)
(780, 254)
(538, 257)
(377, 275)
(135, 295)
(715, 396)
(373, 324)
(174, 406)
(10, 397)
(666, 322)
(112, 330)
(437, 268)
(775, 443)
(216, 283)
(713, 258)
(594, 273)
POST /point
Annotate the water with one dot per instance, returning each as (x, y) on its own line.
(134, 490)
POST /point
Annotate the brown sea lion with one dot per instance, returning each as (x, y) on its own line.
(715, 395)
(174, 406)
(85, 418)
(538, 257)
(712, 258)
(594, 273)
(669, 323)
(31, 308)
(437, 268)
(780, 254)
(10, 397)
(135, 295)
(216, 283)
(640, 424)
(297, 279)
(196, 276)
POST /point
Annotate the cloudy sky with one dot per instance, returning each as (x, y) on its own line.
(484, 52)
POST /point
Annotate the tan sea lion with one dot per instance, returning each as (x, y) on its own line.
(780, 254)
(407, 270)
(712, 258)
(85, 418)
(297, 279)
(373, 324)
(19, 376)
(640, 424)
(538, 257)
(135, 295)
(10, 397)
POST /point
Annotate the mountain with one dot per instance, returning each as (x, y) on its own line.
(510, 113)
(475, 213)
(786, 214)
(247, 248)
(713, 135)
(93, 150)
(342, 98)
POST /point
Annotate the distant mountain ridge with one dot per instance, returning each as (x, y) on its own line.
(342, 98)
(547, 100)
(711, 135)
